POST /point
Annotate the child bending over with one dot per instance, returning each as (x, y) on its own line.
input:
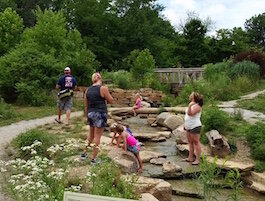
(118, 138)
(129, 142)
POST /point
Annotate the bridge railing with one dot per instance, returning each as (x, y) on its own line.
(178, 76)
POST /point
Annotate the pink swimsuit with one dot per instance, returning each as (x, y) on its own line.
(139, 103)
(133, 144)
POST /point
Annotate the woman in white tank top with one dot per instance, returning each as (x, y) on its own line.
(192, 126)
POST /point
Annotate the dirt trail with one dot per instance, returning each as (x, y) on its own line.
(7, 133)
(250, 116)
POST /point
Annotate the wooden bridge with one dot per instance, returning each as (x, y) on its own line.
(178, 76)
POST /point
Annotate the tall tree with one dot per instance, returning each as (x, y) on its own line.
(195, 49)
(11, 27)
(255, 27)
(7, 3)
(26, 9)
(228, 42)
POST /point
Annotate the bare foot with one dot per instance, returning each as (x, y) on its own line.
(195, 163)
(140, 170)
(187, 160)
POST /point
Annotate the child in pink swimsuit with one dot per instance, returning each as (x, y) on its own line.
(138, 103)
(129, 142)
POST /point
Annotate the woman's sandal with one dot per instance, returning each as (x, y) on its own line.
(187, 160)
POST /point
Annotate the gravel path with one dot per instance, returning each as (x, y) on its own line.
(7, 133)
(248, 115)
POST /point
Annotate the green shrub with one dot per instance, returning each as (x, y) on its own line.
(232, 145)
(32, 95)
(259, 152)
(6, 110)
(245, 68)
(123, 79)
(214, 118)
(222, 88)
(151, 81)
(212, 70)
(256, 139)
(244, 84)
(257, 57)
(204, 140)
(168, 101)
(259, 166)
(106, 180)
(29, 137)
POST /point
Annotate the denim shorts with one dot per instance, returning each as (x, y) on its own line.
(135, 149)
(65, 103)
(196, 130)
(97, 119)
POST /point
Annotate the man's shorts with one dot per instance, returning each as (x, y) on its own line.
(134, 149)
(65, 103)
(97, 119)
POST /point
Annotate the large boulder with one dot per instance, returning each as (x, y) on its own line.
(162, 191)
(169, 167)
(146, 104)
(173, 121)
(148, 197)
(171, 170)
(159, 188)
(181, 136)
(162, 117)
(125, 159)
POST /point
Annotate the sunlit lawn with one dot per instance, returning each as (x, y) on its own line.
(29, 112)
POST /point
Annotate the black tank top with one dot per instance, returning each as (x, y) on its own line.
(95, 102)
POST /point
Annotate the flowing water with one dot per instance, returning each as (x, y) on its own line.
(186, 183)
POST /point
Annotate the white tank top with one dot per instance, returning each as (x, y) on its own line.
(192, 121)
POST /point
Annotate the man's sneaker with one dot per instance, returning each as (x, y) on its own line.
(93, 162)
(96, 161)
(83, 156)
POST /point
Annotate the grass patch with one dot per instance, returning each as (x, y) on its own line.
(256, 104)
(29, 112)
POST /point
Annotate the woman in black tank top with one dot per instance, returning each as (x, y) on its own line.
(96, 111)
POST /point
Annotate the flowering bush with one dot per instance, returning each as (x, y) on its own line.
(36, 177)
(28, 139)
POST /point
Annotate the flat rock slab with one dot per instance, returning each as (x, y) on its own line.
(158, 161)
(146, 156)
(186, 193)
(229, 165)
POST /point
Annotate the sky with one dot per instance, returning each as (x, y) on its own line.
(224, 13)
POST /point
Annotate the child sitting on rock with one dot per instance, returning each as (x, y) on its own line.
(129, 142)
(138, 103)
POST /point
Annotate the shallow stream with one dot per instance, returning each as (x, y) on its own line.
(186, 183)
